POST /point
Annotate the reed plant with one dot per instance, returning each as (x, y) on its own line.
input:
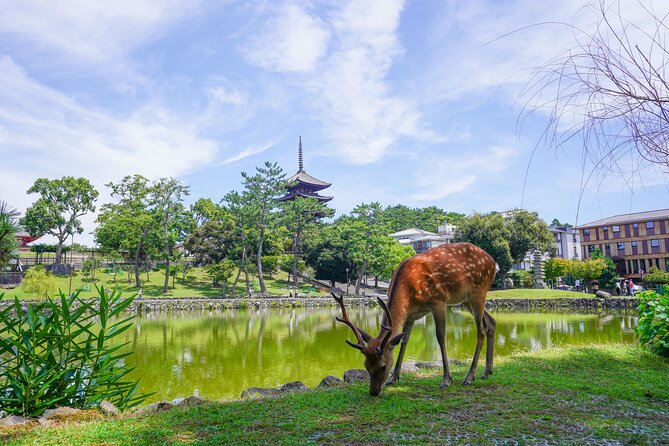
(62, 352)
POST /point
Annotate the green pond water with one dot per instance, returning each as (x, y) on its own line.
(217, 354)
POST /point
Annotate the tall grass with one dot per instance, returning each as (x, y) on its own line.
(60, 353)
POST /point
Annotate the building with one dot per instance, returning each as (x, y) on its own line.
(567, 242)
(420, 240)
(304, 185)
(24, 238)
(635, 241)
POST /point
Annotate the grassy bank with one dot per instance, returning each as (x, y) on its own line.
(195, 284)
(532, 293)
(592, 395)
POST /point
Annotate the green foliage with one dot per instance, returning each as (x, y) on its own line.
(61, 352)
(56, 212)
(220, 272)
(90, 266)
(522, 278)
(270, 264)
(653, 325)
(39, 281)
(8, 228)
(400, 217)
(607, 278)
(212, 242)
(656, 275)
(490, 233)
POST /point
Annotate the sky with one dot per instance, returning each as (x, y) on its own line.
(413, 102)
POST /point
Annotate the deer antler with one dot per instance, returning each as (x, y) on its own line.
(387, 328)
(361, 343)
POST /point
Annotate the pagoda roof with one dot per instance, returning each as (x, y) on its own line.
(304, 178)
(293, 194)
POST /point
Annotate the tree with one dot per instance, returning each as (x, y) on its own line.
(260, 193)
(128, 223)
(204, 210)
(369, 228)
(611, 89)
(300, 215)
(172, 217)
(329, 252)
(56, 212)
(490, 233)
(220, 273)
(527, 232)
(39, 281)
(212, 242)
(387, 254)
(607, 278)
(556, 223)
(9, 226)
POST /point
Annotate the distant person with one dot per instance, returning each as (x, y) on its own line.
(618, 290)
(624, 285)
(577, 284)
(630, 288)
(139, 294)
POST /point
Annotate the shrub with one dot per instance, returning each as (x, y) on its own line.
(653, 325)
(522, 279)
(39, 281)
(60, 352)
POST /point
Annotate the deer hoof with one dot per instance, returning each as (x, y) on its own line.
(392, 381)
(468, 381)
(445, 383)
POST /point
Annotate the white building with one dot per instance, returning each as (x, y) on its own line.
(567, 242)
(421, 240)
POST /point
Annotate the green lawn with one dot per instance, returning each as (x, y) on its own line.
(197, 284)
(600, 394)
(532, 293)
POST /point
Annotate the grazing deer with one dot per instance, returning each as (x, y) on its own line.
(451, 274)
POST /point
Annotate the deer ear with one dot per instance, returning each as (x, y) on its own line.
(366, 337)
(396, 340)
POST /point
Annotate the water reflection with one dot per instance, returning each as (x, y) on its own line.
(219, 353)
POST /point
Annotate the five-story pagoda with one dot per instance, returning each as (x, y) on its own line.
(304, 185)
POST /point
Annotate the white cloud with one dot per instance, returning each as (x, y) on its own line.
(449, 175)
(44, 133)
(90, 32)
(226, 96)
(292, 41)
(250, 151)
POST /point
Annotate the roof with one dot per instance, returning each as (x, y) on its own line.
(291, 195)
(411, 232)
(428, 238)
(303, 177)
(659, 214)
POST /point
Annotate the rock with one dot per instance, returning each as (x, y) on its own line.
(192, 401)
(160, 406)
(108, 408)
(260, 392)
(14, 420)
(602, 295)
(427, 365)
(61, 412)
(329, 382)
(356, 375)
(295, 386)
(409, 367)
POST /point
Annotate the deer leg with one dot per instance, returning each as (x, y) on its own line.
(398, 366)
(490, 325)
(440, 324)
(477, 312)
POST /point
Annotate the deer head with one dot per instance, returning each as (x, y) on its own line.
(378, 351)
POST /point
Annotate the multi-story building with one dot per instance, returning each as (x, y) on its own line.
(567, 242)
(635, 242)
(420, 240)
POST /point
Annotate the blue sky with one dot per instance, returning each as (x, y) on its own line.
(413, 102)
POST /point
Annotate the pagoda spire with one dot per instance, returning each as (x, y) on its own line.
(300, 158)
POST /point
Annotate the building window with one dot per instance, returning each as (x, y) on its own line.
(654, 243)
(605, 229)
(666, 264)
(607, 247)
(642, 265)
(634, 243)
(650, 225)
(616, 228)
(591, 248)
(635, 266)
(635, 225)
(621, 246)
(576, 252)
(586, 232)
(574, 238)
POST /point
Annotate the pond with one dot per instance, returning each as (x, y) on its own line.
(217, 354)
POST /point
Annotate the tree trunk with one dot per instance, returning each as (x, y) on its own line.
(246, 275)
(296, 247)
(167, 275)
(138, 284)
(225, 285)
(261, 279)
(59, 251)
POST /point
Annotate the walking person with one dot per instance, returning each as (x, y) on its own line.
(630, 288)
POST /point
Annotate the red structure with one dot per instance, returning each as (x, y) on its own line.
(24, 238)
(303, 184)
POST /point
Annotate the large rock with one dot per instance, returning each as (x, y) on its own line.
(61, 412)
(192, 401)
(160, 406)
(14, 420)
(602, 295)
(108, 408)
(329, 382)
(260, 392)
(356, 375)
(427, 365)
(295, 386)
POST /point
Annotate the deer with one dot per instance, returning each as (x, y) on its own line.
(446, 275)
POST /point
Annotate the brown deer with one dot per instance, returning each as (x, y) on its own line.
(451, 274)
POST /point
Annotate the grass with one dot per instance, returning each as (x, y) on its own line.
(196, 284)
(536, 293)
(600, 394)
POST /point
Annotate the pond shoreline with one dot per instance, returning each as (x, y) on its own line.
(204, 303)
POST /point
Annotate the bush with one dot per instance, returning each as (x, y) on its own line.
(653, 325)
(60, 352)
(522, 279)
(39, 281)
